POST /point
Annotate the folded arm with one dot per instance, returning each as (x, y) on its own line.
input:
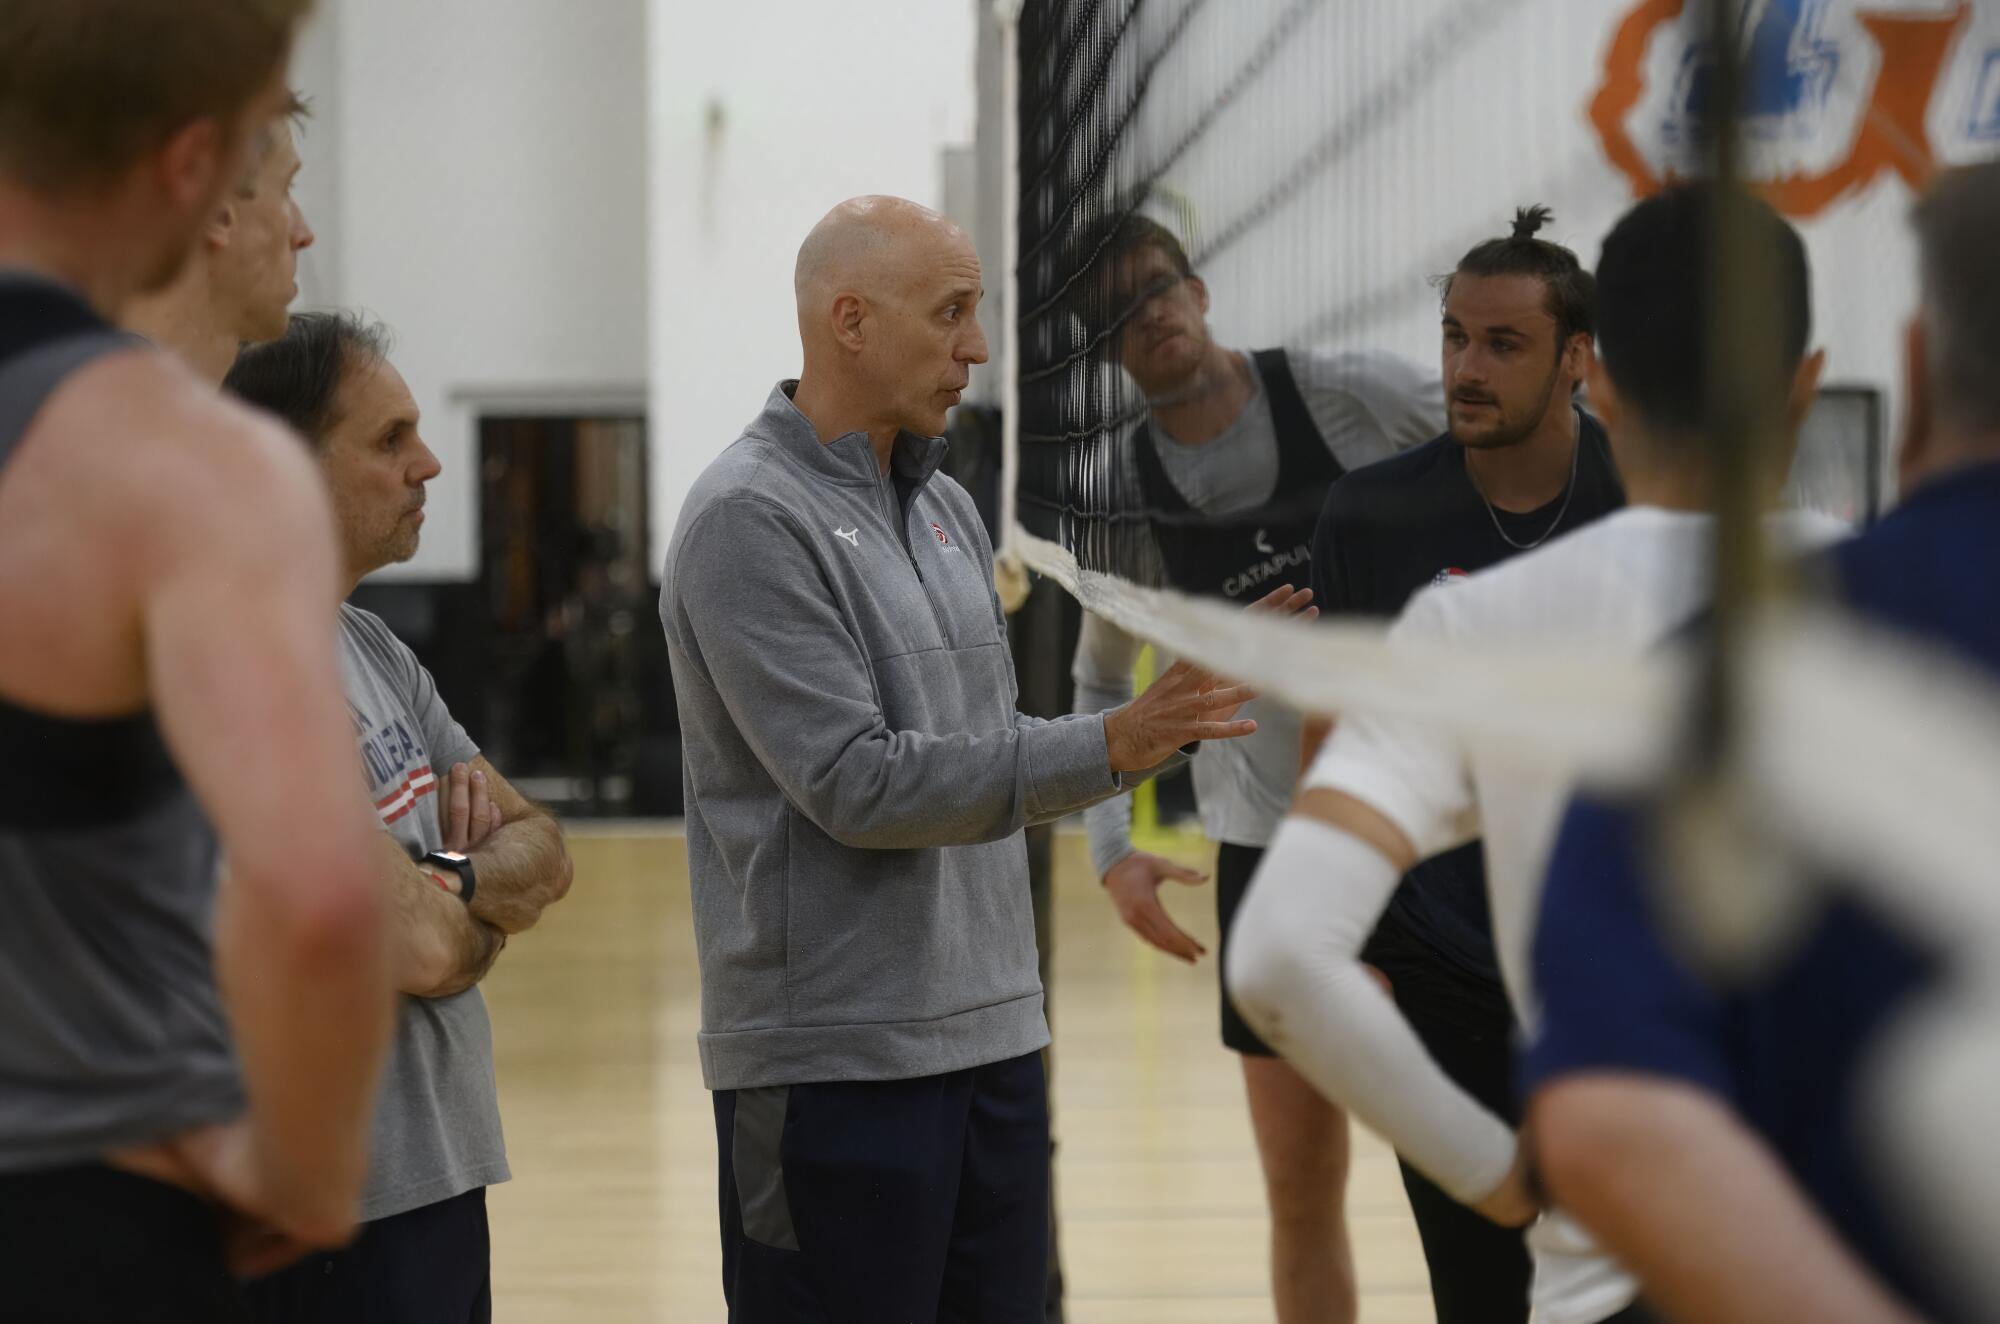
(441, 948)
(522, 865)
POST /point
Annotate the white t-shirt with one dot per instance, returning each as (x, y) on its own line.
(1367, 406)
(1613, 589)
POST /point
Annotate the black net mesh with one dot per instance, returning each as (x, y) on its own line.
(1314, 164)
(1264, 149)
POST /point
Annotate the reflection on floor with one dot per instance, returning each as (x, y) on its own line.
(611, 1213)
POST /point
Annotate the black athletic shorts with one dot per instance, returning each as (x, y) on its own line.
(430, 1265)
(1233, 867)
(87, 1244)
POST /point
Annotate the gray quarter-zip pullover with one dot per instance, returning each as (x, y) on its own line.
(857, 774)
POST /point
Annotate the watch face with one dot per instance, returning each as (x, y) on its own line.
(455, 857)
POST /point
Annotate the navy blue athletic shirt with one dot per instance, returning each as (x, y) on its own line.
(1792, 1051)
(1399, 525)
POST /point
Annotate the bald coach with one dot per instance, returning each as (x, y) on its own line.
(858, 779)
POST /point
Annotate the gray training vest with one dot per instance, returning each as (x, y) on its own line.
(111, 1027)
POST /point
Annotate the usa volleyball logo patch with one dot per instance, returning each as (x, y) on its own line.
(944, 540)
(1448, 575)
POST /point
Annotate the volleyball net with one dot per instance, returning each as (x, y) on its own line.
(1288, 178)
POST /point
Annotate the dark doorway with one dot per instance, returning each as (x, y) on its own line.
(571, 637)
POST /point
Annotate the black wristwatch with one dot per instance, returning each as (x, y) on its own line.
(468, 882)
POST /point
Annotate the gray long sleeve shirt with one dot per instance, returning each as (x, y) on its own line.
(857, 774)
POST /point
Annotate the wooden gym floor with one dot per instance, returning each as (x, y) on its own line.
(611, 1215)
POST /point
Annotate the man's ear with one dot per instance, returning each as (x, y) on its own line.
(221, 227)
(1200, 293)
(1580, 360)
(850, 316)
(185, 165)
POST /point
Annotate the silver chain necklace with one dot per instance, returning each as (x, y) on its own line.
(1569, 490)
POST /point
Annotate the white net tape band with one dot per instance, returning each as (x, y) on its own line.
(1836, 712)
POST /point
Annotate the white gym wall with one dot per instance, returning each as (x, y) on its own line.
(763, 115)
(476, 170)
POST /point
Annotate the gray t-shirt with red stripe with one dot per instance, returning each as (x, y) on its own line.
(437, 1122)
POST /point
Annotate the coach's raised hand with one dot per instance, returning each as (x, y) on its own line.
(1188, 704)
(1184, 706)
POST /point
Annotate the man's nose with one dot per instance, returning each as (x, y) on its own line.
(427, 465)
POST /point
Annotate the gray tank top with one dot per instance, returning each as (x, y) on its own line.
(111, 1027)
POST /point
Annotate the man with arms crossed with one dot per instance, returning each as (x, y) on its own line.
(1234, 461)
(1385, 793)
(466, 860)
(172, 1104)
(1718, 1138)
(858, 779)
